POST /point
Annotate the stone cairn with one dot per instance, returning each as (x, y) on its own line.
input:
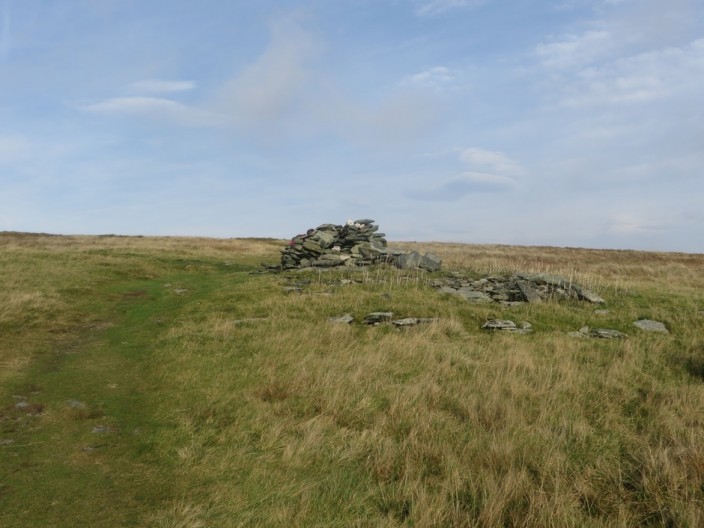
(356, 243)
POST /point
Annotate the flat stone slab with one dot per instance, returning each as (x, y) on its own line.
(590, 296)
(413, 321)
(473, 295)
(506, 325)
(601, 333)
(499, 324)
(376, 318)
(651, 326)
(531, 294)
(343, 319)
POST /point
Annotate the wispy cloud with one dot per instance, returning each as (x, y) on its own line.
(157, 86)
(490, 172)
(158, 109)
(435, 78)
(490, 160)
(570, 51)
(465, 184)
(630, 224)
(439, 7)
(640, 78)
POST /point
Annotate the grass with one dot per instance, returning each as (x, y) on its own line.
(168, 385)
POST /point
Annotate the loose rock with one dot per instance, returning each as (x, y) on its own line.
(376, 318)
(651, 326)
(514, 289)
(601, 333)
(505, 325)
(343, 319)
(413, 321)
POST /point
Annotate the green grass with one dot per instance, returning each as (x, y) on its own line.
(220, 400)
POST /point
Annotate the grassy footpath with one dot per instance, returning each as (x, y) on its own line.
(78, 331)
(161, 384)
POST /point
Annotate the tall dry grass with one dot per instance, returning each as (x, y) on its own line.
(262, 413)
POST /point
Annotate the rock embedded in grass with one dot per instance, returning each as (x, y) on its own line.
(601, 333)
(649, 325)
(343, 319)
(514, 289)
(413, 321)
(376, 318)
(506, 325)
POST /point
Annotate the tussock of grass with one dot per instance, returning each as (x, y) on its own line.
(228, 402)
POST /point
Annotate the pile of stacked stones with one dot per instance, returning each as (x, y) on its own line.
(356, 243)
(515, 289)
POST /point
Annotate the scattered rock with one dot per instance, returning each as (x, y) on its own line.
(601, 312)
(103, 429)
(293, 289)
(531, 295)
(514, 289)
(587, 295)
(343, 319)
(499, 324)
(601, 333)
(474, 296)
(408, 260)
(413, 321)
(7, 441)
(505, 325)
(651, 326)
(376, 318)
(76, 404)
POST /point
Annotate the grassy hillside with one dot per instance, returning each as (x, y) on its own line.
(160, 382)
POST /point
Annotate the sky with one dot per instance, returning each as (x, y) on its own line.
(574, 123)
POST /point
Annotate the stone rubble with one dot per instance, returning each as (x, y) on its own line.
(601, 333)
(378, 318)
(356, 243)
(506, 325)
(515, 289)
(414, 321)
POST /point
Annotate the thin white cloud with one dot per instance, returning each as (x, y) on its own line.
(465, 184)
(157, 86)
(490, 160)
(640, 78)
(489, 182)
(155, 108)
(439, 7)
(435, 78)
(490, 172)
(570, 51)
(631, 224)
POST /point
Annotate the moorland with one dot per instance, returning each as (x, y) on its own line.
(168, 382)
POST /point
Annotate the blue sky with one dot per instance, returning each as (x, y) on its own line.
(562, 123)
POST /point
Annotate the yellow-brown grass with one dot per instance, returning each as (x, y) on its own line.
(269, 415)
